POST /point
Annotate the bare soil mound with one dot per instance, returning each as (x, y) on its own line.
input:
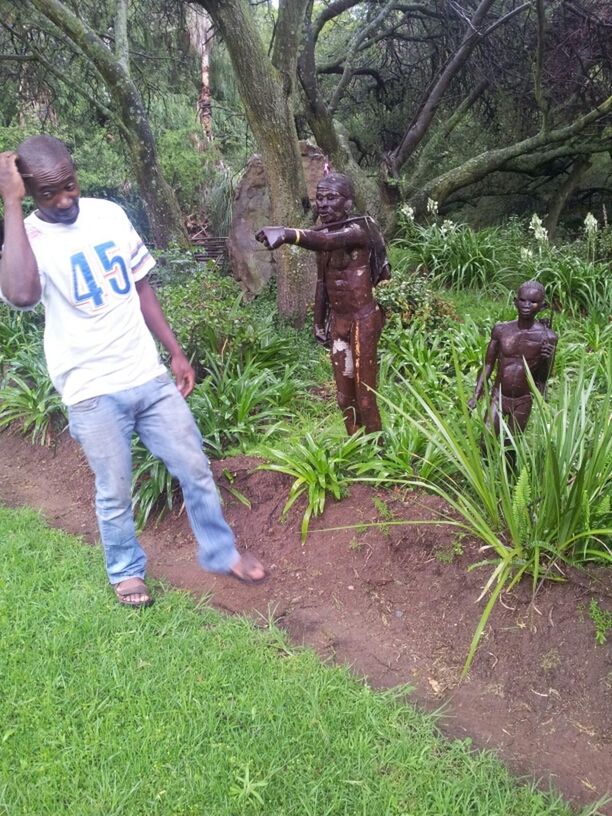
(396, 603)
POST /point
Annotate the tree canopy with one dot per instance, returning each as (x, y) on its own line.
(500, 102)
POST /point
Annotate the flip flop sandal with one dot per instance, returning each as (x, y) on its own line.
(138, 587)
(248, 563)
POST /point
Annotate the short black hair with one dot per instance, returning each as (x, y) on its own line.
(38, 152)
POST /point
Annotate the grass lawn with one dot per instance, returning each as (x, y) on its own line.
(181, 710)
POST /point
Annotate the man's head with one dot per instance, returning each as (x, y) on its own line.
(335, 196)
(50, 178)
(530, 299)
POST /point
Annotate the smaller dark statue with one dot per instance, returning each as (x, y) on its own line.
(514, 347)
(351, 261)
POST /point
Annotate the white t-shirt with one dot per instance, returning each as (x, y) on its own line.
(96, 340)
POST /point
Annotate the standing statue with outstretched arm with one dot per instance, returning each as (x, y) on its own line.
(351, 261)
(525, 343)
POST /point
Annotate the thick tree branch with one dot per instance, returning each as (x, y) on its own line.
(505, 18)
(559, 200)
(431, 100)
(287, 40)
(93, 100)
(429, 106)
(17, 58)
(533, 150)
(122, 46)
(538, 90)
(361, 35)
(333, 10)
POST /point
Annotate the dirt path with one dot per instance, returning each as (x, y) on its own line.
(395, 602)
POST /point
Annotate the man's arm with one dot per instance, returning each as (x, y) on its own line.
(490, 360)
(158, 326)
(19, 278)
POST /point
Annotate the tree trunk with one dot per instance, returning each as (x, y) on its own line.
(200, 29)
(559, 200)
(159, 199)
(266, 93)
(122, 45)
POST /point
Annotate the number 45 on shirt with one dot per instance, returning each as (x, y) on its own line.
(86, 287)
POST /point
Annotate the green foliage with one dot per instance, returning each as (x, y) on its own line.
(410, 293)
(18, 331)
(153, 488)
(586, 341)
(320, 466)
(208, 313)
(573, 284)
(240, 404)
(457, 256)
(185, 165)
(602, 618)
(100, 163)
(28, 399)
(421, 353)
(493, 260)
(553, 507)
(218, 198)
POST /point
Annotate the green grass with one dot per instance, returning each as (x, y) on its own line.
(179, 710)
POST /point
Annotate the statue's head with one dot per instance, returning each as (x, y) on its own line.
(50, 178)
(530, 299)
(334, 199)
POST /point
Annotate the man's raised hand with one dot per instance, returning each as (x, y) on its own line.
(11, 183)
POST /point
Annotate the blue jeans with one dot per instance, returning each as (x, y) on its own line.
(160, 416)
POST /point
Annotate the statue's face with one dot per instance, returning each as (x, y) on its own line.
(331, 204)
(529, 301)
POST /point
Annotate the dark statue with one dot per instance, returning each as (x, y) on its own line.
(351, 261)
(514, 347)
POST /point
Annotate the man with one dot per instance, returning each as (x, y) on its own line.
(515, 347)
(351, 260)
(84, 260)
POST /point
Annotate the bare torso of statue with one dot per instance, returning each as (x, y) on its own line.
(345, 309)
(346, 274)
(516, 348)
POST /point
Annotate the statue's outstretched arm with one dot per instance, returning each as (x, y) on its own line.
(318, 240)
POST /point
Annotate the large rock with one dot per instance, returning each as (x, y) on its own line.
(251, 264)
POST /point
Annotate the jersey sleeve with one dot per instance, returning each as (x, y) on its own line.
(141, 260)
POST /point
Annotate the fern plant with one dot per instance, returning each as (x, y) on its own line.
(320, 467)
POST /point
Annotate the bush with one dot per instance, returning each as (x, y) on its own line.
(28, 399)
(573, 284)
(552, 508)
(457, 256)
(410, 295)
